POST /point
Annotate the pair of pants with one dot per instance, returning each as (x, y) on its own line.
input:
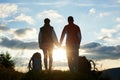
(48, 56)
(72, 52)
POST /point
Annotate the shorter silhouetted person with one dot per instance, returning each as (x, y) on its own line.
(47, 39)
(73, 40)
(35, 62)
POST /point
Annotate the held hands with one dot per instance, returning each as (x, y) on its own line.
(59, 45)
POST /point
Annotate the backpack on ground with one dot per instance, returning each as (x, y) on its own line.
(85, 65)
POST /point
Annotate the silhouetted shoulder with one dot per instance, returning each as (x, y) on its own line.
(42, 27)
(76, 25)
(66, 25)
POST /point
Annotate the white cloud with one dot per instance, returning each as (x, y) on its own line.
(110, 36)
(53, 15)
(112, 41)
(55, 4)
(107, 31)
(3, 27)
(118, 26)
(3, 30)
(84, 4)
(7, 10)
(104, 14)
(118, 1)
(118, 19)
(23, 17)
(24, 34)
(92, 11)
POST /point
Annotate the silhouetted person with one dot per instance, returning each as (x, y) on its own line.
(35, 62)
(47, 38)
(73, 40)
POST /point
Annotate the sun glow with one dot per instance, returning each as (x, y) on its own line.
(59, 54)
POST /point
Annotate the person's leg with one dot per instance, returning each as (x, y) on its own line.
(73, 56)
(69, 58)
(50, 59)
(75, 59)
(45, 59)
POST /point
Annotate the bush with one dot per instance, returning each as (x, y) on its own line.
(6, 61)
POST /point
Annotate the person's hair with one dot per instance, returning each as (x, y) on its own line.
(70, 18)
(46, 20)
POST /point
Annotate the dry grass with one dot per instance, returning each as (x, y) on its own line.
(6, 74)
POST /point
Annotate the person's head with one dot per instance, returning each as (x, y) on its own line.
(46, 20)
(70, 19)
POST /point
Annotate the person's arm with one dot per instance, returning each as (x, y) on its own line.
(62, 35)
(54, 37)
(39, 38)
(79, 35)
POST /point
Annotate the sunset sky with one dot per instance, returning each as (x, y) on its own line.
(99, 21)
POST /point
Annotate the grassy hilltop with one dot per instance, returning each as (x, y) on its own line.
(6, 74)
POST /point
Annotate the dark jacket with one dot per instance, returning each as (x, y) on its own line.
(47, 37)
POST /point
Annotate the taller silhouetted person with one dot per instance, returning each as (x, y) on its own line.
(73, 40)
(47, 38)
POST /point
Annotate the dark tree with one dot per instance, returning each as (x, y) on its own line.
(6, 61)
